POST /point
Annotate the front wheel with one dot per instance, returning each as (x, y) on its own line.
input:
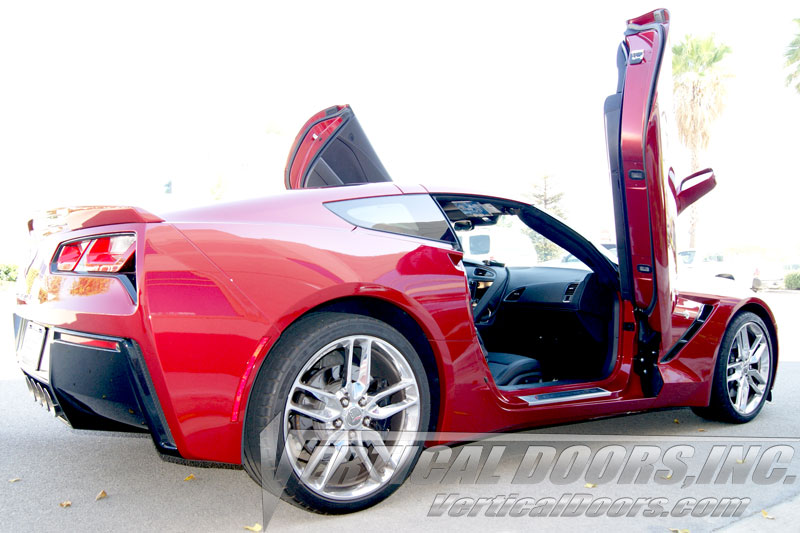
(744, 371)
(351, 396)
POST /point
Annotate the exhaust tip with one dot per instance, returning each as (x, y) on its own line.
(35, 391)
(40, 395)
(50, 404)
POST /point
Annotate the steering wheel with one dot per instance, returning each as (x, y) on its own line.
(487, 305)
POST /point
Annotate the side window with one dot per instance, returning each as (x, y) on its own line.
(416, 215)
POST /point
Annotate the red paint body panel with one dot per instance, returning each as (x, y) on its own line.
(646, 198)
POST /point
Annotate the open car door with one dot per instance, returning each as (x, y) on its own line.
(332, 150)
(646, 201)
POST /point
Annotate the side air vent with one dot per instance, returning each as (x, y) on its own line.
(515, 294)
(570, 292)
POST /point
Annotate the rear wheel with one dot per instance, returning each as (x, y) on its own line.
(351, 396)
(743, 375)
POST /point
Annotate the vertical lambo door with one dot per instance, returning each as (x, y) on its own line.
(330, 150)
(646, 201)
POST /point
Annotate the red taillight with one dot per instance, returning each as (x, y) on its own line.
(70, 255)
(99, 254)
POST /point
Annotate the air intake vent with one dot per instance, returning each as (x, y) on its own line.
(570, 292)
(515, 294)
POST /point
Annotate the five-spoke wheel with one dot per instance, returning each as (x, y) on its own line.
(351, 416)
(352, 397)
(748, 369)
(745, 367)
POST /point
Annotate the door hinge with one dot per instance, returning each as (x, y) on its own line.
(645, 363)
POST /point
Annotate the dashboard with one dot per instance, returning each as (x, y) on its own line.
(493, 285)
(545, 312)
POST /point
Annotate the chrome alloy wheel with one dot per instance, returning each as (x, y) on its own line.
(351, 417)
(748, 369)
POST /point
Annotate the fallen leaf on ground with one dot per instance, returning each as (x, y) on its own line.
(254, 527)
(65, 504)
(14, 479)
(668, 476)
(674, 530)
(767, 515)
(189, 477)
(677, 421)
(101, 495)
(700, 429)
(740, 461)
(590, 485)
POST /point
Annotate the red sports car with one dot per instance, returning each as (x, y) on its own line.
(354, 317)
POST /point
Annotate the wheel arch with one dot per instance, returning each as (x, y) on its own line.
(382, 310)
(403, 322)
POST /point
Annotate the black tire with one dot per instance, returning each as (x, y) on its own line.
(296, 347)
(720, 407)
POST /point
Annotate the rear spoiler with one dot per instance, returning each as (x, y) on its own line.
(75, 218)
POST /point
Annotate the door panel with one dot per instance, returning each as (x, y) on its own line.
(645, 225)
(332, 150)
(644, 205)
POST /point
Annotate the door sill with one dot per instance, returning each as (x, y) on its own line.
(565, 396)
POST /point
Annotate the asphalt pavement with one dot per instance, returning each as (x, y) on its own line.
(55, 464)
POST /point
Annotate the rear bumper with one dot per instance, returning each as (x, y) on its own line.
(91, 381)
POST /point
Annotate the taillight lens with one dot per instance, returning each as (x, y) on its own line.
(107, 253)
(70, 254)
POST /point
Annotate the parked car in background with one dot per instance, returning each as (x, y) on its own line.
(698, 263)
(768, 276)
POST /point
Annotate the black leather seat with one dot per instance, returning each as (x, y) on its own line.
(511, 369)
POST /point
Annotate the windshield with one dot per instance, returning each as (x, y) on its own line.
(489, 231)
(511, 242)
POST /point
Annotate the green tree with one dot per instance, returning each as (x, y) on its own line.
(8, 273)
(793, 60)
(546, 197)
(699, 90)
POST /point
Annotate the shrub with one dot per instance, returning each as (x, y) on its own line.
(792, 280)
(8, 272)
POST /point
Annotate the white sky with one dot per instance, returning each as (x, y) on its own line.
(105, 102)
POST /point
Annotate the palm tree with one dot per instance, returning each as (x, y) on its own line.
(698, 95)
(793, 60)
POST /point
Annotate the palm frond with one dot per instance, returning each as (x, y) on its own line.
(793, 60)
(699, 88)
